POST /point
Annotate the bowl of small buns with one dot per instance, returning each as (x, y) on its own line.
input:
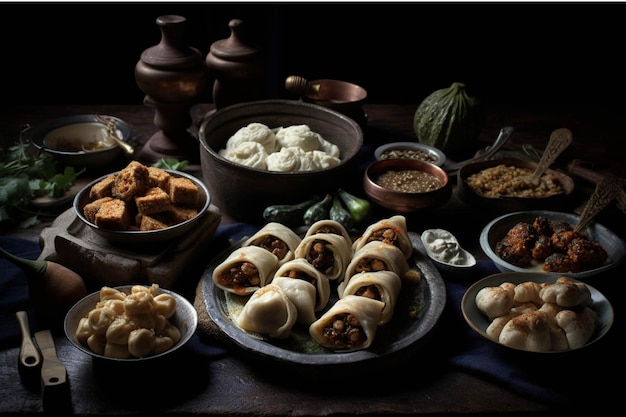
(131, 323)
(538, 313)
(142, 204)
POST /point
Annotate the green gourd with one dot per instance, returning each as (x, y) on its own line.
(450, 120)
(339, 214)
(288, 214)
(318, 211)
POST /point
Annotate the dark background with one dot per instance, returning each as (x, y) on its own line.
(400, 52)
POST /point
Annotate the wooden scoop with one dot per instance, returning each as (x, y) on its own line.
(606, 190)
(29, 358)
(559, 140)
(55, 389)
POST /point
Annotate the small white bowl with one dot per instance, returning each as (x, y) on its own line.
(185, 319)
(429, 153)
(435, 240)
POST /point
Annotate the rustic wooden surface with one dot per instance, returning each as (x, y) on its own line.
(191, 384)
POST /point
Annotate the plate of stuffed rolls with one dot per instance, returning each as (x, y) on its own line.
(323, 297)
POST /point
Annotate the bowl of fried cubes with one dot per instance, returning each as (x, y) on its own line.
(142, 204)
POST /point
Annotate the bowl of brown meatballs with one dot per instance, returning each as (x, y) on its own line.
(546, 242)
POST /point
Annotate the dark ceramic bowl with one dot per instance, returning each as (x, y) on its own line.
(405, 202)
(80, 141)
(130, 237)
(497, 229)
(243, 192)
(509, 204)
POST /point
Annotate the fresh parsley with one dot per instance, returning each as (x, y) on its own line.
(25, 176)
(171, 163)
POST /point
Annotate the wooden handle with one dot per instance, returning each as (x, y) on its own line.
(29, 359)
(55, 388)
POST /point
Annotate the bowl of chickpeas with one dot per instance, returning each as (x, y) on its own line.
(131, 323)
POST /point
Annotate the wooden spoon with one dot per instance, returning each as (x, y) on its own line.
(559, 140)
(606, 190)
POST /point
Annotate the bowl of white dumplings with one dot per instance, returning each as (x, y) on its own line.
(272, 152)
(536, 312)
(131, 323)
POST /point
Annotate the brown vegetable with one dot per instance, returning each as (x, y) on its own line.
(53, 287)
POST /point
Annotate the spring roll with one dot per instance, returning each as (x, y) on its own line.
(300, 268)
(245, 270)
(268, 312)
(329, 226)
(302, 295)
(349, 325)
(327, 252)
(375, 256)
(276, 238)
(392, 230)
(380, 285)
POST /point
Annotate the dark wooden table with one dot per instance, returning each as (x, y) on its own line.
(235, 386)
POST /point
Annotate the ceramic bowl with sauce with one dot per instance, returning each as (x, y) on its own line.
(80, 141)
(406, 185)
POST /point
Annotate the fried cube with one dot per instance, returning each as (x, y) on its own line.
(102, 188)
(151, 223)
(155, 200)
(92, 208)
(183, 191)
(158, 177)
(180, 214)
(130, 181)
(113, 215)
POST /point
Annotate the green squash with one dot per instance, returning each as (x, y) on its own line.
(449, 120)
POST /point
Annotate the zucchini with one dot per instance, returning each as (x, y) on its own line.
(359, 208)
(339, 214)
(288, 214)
(318, 211)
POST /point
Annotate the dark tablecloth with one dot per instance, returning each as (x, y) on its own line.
(582, 377)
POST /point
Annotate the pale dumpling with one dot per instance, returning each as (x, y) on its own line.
(250, 154)
(257, 133)
(301, 294)
(268, 312)
(496, 301)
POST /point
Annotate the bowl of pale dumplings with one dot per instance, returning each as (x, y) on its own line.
(272, 152)
(537, 313)
(131, 323)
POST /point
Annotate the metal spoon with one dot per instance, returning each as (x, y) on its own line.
(606, 190)
(112, 134)
(503, 137)
(559, 140)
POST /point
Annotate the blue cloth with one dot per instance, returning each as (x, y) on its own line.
(567, 379)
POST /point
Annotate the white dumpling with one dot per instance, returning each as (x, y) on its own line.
(496, 301)
(566, 293)
(350, 324)
(380, 285)
(333, 244)
(322, 160)
(329, 148)
(578, 326)
(286, 160)
(268, 312)
(254, 263)
(528, 331)
(299, 136)
(528, 292)
(375, 256)
(250, 154)
(302, 295)
(254, 132)
(300, 268)
(497, 324)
